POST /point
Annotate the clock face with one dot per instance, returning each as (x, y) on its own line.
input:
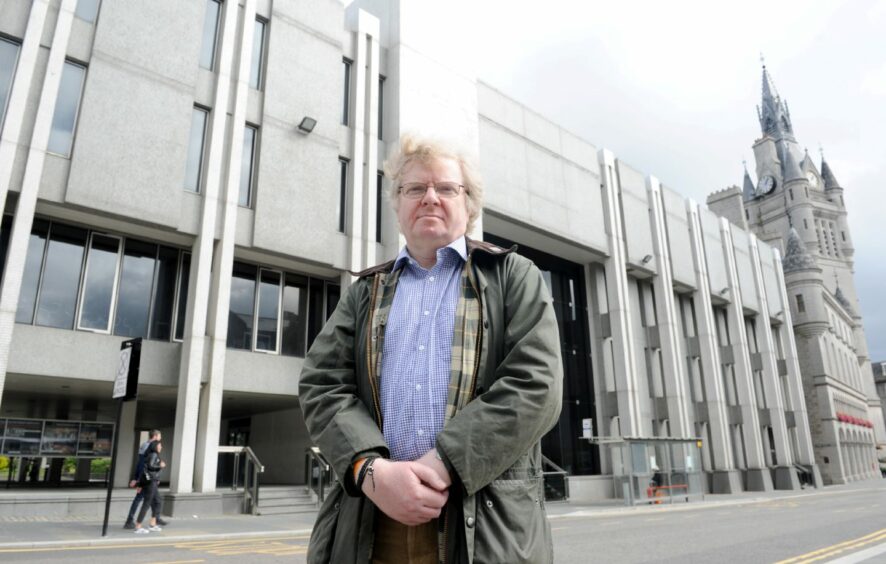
(767, 185)
(813, 180)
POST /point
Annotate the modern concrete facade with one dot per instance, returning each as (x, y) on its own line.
(198, 207)
(800, 210)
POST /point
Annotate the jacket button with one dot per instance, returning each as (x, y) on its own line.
(336, 505)
(489, 503)
(469, 522)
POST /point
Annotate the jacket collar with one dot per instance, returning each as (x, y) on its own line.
(473, 246)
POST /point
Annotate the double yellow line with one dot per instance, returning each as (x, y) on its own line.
(836, 549)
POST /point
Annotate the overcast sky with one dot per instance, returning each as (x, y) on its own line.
(672, 88)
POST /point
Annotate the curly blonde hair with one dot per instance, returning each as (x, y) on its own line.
(425, 150)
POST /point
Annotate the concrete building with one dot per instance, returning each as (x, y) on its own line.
(799, 209)
(206, 180)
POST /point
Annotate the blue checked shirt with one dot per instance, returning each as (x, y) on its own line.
(417, 349)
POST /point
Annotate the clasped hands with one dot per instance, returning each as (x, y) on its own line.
(411, 492)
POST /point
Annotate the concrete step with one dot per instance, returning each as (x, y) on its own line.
(283, 502)
(286, 510)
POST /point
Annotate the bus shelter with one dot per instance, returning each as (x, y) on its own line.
(655, 470)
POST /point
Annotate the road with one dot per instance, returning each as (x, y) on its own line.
(841, 526)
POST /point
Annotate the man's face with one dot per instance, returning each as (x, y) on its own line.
(432, 221)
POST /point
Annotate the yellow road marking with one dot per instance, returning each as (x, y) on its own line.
(835, 548)
(179, 544)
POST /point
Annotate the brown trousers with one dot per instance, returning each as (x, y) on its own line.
(396, 543)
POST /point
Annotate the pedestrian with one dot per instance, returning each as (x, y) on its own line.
(432, 384)
(149, 483)
(154, 435)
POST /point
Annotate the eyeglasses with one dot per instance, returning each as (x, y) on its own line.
(417, 190)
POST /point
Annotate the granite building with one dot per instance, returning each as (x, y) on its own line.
(205, 176)
(799, 208)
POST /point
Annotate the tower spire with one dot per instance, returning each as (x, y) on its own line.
(830, 181)
(775, 120)
(748, 190)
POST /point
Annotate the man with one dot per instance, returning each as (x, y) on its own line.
(154, 435)
(431, 385)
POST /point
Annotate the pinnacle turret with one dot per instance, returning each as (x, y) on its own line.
(796, 257)
(791, 169)
(775, 120)
(748, 190)
(830, 181)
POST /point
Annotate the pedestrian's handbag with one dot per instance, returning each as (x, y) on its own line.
(144, 479)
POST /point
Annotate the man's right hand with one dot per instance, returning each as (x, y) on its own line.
(132, 483)
(407, 492)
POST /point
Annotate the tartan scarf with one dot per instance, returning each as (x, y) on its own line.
(465, 338)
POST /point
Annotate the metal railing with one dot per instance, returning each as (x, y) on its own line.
(556, 481)
(251, 471)
(317, 471)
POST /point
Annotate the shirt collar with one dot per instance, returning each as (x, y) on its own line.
(459, 246)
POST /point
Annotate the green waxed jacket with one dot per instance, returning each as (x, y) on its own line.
(495, 511)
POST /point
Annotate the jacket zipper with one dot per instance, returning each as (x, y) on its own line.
(370, 368)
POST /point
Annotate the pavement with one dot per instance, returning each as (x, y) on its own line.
(48, 532)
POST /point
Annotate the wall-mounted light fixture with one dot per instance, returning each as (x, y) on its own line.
(646, 259)
(307, 124)
(724, 291)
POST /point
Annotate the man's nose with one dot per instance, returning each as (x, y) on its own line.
(430, 196)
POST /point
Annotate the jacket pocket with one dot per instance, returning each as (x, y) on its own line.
(511, 525)
(323, 533)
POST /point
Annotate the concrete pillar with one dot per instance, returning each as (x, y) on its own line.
(618, 302)
(27, 201)
(195, 341)
(725, 477)
(676, 391)
(758, 476)
(127, 446)
(209, 422)
(785, 474)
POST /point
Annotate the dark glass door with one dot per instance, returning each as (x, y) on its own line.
(566, 282)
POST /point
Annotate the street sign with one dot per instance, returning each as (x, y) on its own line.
(587, 428)
(125, 389)
(126, 378)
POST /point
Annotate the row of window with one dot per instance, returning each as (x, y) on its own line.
(75, 278)
(212, 29)
(343, 164)
(277, 312)
(346, 98)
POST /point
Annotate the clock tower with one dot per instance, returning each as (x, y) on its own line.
(799, 208)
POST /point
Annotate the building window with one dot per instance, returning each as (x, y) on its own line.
(87, 10)
(134, 295)
(181, 299)
(99, 282)
(247, 168)
(805, 224)
(242, 307)
(256, 73)
(381, 105)
(267, 321)
(343, 193)
(59, 284)
(346, 98)
(280, 313)
(210, 34)
(843, 235)
(27, 299)
(67, 106)
(791, 193)
(8, 62)
(801, 305)
(379, 198)
(165, 274)
(196, 142)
